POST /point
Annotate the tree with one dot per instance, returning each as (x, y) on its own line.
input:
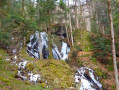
(70, 25)
(40, 47)
(76, 15)
(22, 8)
(113, 44)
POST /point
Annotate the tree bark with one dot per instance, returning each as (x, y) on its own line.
(76, 16)
(113, 45)
(38, 10)
(24, 38)
(81, 13)
(70, 26)
(40, 47)
(22, 8)
(67, 34)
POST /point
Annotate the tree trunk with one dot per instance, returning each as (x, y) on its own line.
(40, 47)
(81, 13)
(66, 23)
(22, 8)
(76, 16)
(38, 10)
(67, 34)
(113, 45)
(70, 26)
(24, 38)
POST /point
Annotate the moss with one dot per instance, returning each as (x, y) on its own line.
(50, 56)
(57, 73)
(1, 86)
(5, 80)
(118, 64)
(27, 82)
(25, 55)
(86, 55)
(44, 85)
(94, 60)
(29, 66)
(100, 73)
(113, 87)
(110, 68)
(79, 62)
(7, 75)
(82, 36)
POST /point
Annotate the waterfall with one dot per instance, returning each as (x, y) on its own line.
(27, 75)
(88, 79)
(55, 52)
(63, 55)
(33, 47)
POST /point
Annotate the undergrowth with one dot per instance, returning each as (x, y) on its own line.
(101, 48)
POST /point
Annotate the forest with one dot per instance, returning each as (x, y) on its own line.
(59, 45)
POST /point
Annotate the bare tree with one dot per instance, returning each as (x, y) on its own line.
(24, 38)
(40, 47)
(113, 44)
(70, 25)
(76, 15)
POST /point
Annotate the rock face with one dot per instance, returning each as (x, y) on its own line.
(88, 79)
(33, 46)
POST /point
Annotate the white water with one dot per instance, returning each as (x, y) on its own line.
(64, 51)
(33, 46)
(55, 52)
(30, 76)
(34, 77)
(63, 55)
(89, 82)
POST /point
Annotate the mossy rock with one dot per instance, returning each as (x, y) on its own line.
(57, 73)
(44, 85)
(5, 80)
(29, 66)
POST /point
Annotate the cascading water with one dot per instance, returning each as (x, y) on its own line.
(55, 52)
(88, 79)
(63, 55)
(27, 76)
(33, 46)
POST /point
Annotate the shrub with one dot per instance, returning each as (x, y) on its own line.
(74, 53)
(110, 68)
(101, 48)
(77, 47)
(118, 64)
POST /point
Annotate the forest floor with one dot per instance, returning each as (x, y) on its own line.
(8, 69)
(53, 70)
(106, 75)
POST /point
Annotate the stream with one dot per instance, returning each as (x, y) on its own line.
(85, 77)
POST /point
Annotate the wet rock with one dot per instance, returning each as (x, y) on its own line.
(88, 79)
(33, 45)
(25, 72)
(63, 55)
